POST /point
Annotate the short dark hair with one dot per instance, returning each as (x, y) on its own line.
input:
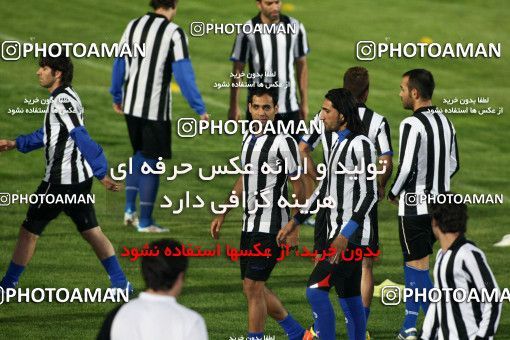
(421, 80)
(356, 81)
(160, 272)
(451, 217)
(163, 3)
(259, 91)
(58, 62)
(343, 101)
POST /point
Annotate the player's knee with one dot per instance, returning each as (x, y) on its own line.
(253, 289)
(27, 235)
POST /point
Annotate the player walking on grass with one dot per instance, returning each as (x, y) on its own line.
(72, 158)
(263, 223)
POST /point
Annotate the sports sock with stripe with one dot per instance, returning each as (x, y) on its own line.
(132, 182)
(148, 189)
(323, 313)
(12, 275)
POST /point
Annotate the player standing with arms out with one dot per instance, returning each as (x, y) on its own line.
(140, 89)
(72, 158)
(347, 224)
(261, 224)
(428, 158)
(274, 56)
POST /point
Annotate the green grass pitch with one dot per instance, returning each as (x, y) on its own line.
(213, 287)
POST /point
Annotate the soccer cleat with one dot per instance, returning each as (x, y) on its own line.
(310, 334)
(7, 284)
(152, 229)
(408, 334)
(367, 336)
(130, 218)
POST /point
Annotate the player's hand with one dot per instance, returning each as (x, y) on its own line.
(234, 113)
(110, 184)
(6, 145)
(303, 111)
(340, 244)
(293, 238)
(204, 116)
(118, 108)
(216, 226)
(284, 233)
(380, 192)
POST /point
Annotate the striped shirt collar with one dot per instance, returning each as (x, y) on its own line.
(432, 108)
(58, 90)
(342, 135)
(156, 15)
(459, 242)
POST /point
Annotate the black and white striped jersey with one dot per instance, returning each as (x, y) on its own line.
(64, 162)
(462, 267)
(273, 56)
(428, 158)
(354, 196)
(146, 90)
(267, 152)
(376, 126)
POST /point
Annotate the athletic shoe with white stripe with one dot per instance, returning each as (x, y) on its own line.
(408, 334)
(153, 228)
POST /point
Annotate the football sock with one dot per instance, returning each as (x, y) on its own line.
(12, 275)
(293, 329)
(255, 336)
(367, 313)
(112, 267)
(424, 282)
(354, 317)
(323, 313)
(148, 189)
(132, 182)
(412, 307)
